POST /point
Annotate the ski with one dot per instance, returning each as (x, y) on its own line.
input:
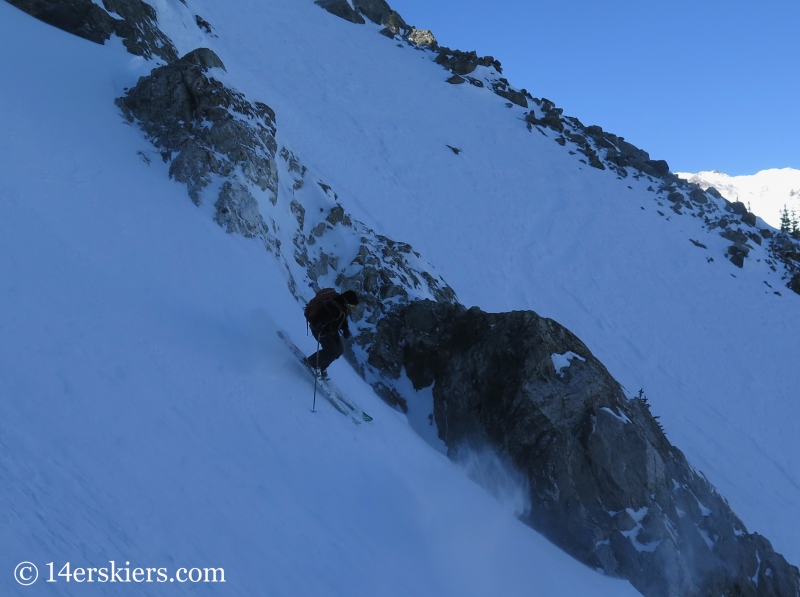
(349, 403)
(332, 393)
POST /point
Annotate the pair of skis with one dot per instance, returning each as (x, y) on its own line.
(327, 388)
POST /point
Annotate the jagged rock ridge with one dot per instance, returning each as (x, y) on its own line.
(606, 151)
(138, 26)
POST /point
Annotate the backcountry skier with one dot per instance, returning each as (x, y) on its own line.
(326, 315)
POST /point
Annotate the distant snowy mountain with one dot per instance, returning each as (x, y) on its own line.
(766, 192)
(170, 200)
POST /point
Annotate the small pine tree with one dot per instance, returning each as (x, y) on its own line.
(795, 225)
(786, 221)
(642, 398)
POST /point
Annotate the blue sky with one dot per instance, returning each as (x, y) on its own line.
(705, 85)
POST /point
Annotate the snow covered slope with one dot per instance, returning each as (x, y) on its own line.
(150, 415)
(154, 417)
(767, 192)
(516, 222)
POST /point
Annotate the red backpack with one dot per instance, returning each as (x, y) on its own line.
(317, 309)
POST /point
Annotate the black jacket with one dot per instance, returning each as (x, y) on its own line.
(331, 319)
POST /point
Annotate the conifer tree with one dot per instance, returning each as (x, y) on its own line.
(786, 222)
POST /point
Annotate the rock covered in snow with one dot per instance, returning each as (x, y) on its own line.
(212, 133)
(137, 25)
(342, 9)
(210, 129)
(379, 12)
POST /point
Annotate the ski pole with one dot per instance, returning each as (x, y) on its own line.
(314, 404)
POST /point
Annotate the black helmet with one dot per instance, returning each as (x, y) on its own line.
(350, 297)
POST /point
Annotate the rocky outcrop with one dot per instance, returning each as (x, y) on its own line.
(203, 127)
(342, 9)
(605, 483)
(138, 26)
(379, 12)
(794, 283)
(422, 38)
(786, 250)
(223, 147)
(463, 63)
(83, 18)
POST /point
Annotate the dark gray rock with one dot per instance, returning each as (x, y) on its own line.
(605, 483)
(79, 17)
(460, 63)
(551, 118)
(794, 283)
(624, 154)
(204, 25)
(377, 11)
(737, 254)
(138, 27)
(463, 63)
(675, 196)
(515, 97)
(390, 396)
(139, 30)
(579, 140)
(456, 80)
(660, 167)
(783, 248)
(595, 162)
(631, 151)
(547, 105)
(212, 130)
(205, 58)
(341, 9)
(749, 218)
(738, 208)
(698, 196)
(735, 236)
(714, 192)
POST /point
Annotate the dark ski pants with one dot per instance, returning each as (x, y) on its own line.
(331, 348)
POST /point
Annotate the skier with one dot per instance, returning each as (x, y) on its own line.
(326, 315)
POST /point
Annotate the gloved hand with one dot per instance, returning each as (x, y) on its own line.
(346, 333)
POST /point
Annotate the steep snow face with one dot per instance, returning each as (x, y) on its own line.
(518, 222)
(514, 221)
(767, 192)
(149, 413)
